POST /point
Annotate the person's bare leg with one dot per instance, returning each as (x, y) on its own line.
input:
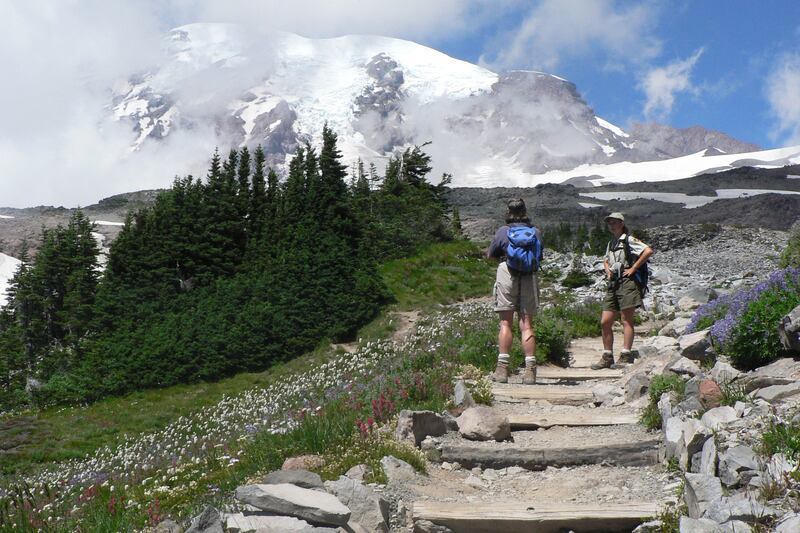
(529, 347)
(607, 328)
(528, 335)
(627, 327)
(505, 339)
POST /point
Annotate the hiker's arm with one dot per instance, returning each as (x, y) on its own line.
(644, 256)
(607, 268)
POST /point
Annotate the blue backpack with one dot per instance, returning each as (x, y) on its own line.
(524, 249)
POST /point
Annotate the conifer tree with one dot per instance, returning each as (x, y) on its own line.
(258, 197)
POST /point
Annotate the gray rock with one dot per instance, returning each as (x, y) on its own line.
(738, 507)
(701, 491)
(690, 406)
(736, 526)
(414, 426)
(695, 434)
(301, 478)
(695, 345)
(686, 303)
(450, 421)
(718, 417)
(789, 523)
(285, 499)
(357, 472)
(789, 331)
(168, 526)
(462, 397)
(659, 345)
(209, 521)
(780, 372)
(675, 328)
(483, 423)
(240, 523)
(368, 508)
(397, 470)
(702, 294)
(775, 393)
(708, 458)
(734, 462)
(636, 387)
(673, 436)
(723, 373)
(686, 367)
(701, 525)
(777, 468)
(665, 408)
(652, 526)
(426, 526)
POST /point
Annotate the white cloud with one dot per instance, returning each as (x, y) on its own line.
(783, 91)
(556, 30)
(661, 84)
(60, 58)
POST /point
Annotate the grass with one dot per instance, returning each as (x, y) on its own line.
(732, 393)
(782, 438)
(441, 273)
(651, 417)
(59, 434)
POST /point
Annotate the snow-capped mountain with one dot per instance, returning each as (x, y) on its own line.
(380, 95)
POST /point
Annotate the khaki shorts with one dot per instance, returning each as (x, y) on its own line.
(625, 295)
(516, 292)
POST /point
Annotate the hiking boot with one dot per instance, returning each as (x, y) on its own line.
(500, 373)
(627, 357)
(606, 361)
(529, 374)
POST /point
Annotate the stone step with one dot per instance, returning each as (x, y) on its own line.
(574, 419)
(552, 393)
(576, 374)
(470, 455)
(503, 516)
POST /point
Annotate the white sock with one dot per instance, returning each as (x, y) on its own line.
(624, 350)
(530, 360)
(608, 352)
(503, 358)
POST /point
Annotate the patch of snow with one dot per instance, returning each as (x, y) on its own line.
(689, 202)
(107, 223)
(589, 205)
(611, 127)
(8, 267)
(6, 216)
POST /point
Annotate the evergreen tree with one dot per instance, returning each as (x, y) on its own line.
(258, 214)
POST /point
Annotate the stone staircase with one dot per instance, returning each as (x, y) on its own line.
(575, 461)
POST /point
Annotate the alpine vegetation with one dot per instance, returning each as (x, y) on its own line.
(230, 273)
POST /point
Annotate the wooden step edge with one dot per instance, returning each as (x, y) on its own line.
(508, 517)
(638, 453)
(528, 422)
(557, 395)
(577, 373)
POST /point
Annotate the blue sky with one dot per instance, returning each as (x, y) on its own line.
(739, 46)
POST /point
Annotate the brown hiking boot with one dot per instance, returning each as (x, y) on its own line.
(529, 374)
(606, 361)
(500, 373)
(626, 357)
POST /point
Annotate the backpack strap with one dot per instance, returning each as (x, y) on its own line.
(628, 255)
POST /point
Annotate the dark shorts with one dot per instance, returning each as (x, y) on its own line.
(624, 295)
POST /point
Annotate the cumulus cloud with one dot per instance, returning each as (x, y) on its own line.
(556, 30)
(58, 142)
(783, 88)
(662, 84)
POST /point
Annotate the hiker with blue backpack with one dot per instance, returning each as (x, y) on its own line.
(627, 273)
(516, 289)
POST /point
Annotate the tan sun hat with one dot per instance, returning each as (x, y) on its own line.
(617, 215)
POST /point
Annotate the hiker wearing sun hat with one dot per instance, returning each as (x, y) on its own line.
(625, 268)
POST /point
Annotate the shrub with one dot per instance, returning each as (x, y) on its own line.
(651, 417)
(790, 257)
(576, 278)
(553, 335)
(781, 437)
(751, 338)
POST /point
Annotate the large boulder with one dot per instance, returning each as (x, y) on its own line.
(209, 521)
(723, 373)
(684, 366)
(369, 508)
(414, 426)
(789, 523)
(700, 491)
(397, 470)
(780, 372)
(462, 398)
(695, 345)
(483, 423)
(241, 523)
(675, 328)
(737, 465)
(789, 331)
(708, 458)
(301, 478)
(740, 506)
(699, 525)
(718, 417)
(659, 346)
(774, 393)
(636, 387)
(290, 500)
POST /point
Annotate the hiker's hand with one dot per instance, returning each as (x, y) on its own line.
(629, 272)
(608, 274)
